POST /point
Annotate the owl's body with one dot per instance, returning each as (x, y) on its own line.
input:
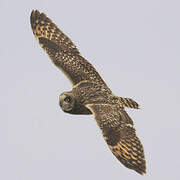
(90, 94)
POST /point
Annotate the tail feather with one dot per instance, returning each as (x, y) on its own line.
(130, 103)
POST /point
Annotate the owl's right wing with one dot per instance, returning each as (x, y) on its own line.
(62, 50)
(119, 133)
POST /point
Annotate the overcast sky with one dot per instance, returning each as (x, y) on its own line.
(135, 46)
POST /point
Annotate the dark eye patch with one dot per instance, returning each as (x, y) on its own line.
(67, 99)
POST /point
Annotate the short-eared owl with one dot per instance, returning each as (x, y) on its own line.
(90, 94)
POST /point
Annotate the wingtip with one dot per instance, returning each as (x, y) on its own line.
(141, 169)
(35, 15)
(35, 12)
(141, 172)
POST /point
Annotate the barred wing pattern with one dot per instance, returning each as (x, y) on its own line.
(120, 135)
(61, 50)
(116, 125)
(43, 27)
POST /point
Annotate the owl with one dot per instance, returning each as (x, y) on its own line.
(90, 94)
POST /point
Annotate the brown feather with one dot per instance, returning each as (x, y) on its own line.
(91, 92)
(127, 102)
(62, 50)
(119, 133)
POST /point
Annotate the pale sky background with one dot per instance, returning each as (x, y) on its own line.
(135, 46)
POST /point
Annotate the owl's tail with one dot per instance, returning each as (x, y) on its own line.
(130, 103)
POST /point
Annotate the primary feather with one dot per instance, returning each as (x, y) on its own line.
(90, 94)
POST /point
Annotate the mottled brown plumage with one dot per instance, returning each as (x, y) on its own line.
(61, 50)
(119, 133)
(90, 94)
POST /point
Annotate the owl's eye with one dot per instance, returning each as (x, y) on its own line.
(67, 99)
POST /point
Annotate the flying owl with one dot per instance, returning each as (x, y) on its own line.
(90, 94)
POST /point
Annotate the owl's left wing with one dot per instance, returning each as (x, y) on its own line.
(62, 50)
(119, 133)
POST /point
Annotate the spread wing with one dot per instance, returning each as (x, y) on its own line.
(61, 50)
(119, 133)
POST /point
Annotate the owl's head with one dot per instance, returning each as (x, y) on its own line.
(67, 102)
(72, 105)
